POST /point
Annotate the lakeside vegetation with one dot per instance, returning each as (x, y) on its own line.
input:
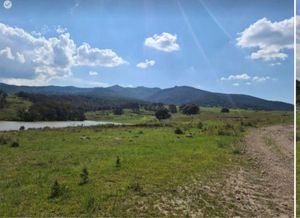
(123, 170)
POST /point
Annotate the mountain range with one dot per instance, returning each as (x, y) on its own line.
(176, 95)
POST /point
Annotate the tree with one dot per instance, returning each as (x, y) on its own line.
(172, 108)
(225, 110)
(162, 114)
(118, 111)
(190, 109)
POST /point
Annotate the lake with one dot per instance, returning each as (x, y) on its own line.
(15, 125)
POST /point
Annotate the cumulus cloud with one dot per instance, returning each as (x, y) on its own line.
(163, 42)
(243, 76)
(86, 55)
(147, 63)
(26, 58)
(93, 73)
(270, 39)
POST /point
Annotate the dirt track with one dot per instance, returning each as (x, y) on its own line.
(263, 187)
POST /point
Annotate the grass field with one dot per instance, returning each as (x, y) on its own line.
(298, 166)
(154, 161)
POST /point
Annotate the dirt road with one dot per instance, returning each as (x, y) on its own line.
(261, 187)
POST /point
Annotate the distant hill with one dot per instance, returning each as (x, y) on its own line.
(176, 95)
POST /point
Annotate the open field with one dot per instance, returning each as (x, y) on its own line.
(160, 173)
(298, 165)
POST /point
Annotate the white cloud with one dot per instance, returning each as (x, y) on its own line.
(93, 73)
(25, 57)
(243, 76)
(270, 39)
(260, 79)
(147, 63)
(88, 56)
(164, 42)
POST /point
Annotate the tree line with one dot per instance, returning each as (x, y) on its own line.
(3, 96)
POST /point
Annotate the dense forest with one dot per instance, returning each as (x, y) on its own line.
(69, 107)
(177, 95)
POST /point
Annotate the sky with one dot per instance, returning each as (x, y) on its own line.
(232, 46)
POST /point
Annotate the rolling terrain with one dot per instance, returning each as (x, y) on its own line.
(176, 95)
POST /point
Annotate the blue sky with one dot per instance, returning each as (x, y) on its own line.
(223, 46)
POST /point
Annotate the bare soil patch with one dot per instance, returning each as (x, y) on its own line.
(261, 187)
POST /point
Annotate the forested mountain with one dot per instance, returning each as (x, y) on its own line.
(177, 95)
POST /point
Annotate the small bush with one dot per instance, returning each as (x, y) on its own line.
(224, 110)
(118, 162)
(178, 131)
(22, 128)
(55, 190)
(84, 176)
(236, 151)
(162, 114)
(200, 125)
(14, 144)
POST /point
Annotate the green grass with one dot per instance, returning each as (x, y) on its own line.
(13, 105)
(128, 117)
(154, 161)
(298, 165)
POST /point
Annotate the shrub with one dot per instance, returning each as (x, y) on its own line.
(200, 125)
(190, 109)
(178, 131)
(162, 114)
(225, 110)
(118, 162)
(236, 151)
(22, 128)
(55, 190)
(84, 176)
(14, 144)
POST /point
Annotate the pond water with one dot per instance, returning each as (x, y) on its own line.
(15, 125)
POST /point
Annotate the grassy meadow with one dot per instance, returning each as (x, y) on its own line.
(298, 165)
(130, 168)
